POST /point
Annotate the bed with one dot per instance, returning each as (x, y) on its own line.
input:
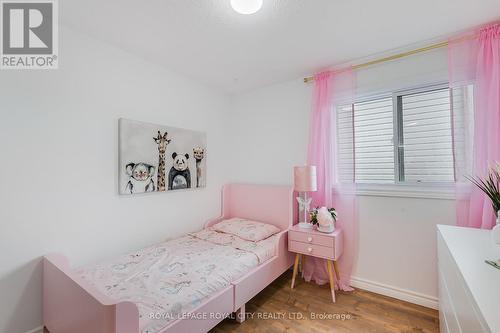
(139, 298)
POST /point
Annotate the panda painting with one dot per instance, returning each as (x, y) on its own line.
(179, 176)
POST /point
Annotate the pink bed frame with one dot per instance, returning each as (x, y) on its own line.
(70, 305)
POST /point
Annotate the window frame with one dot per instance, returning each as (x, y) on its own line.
(402, 188)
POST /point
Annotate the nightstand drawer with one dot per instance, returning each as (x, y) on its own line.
(311, 249)
(310, 238)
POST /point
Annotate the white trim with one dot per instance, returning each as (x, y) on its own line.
(443, 192)
(36, 330)
(395, 292)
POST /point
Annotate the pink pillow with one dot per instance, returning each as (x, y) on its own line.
(246, 229)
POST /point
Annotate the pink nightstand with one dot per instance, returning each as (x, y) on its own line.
(313, 243)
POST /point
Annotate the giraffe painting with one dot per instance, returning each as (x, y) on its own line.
(162, 142)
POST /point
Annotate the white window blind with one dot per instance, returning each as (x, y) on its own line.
(402, 138)
(373, 144)
(427, 137)
(345, 141)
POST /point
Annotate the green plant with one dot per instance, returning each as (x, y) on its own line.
(490, 185)
(314, 215)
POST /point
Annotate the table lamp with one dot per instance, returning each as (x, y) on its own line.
(304, 181)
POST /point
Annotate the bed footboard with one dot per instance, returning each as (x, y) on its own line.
(206, 316)
(71, 306)
(255, 281)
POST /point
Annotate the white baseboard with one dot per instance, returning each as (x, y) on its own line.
(401, 294)
(36, 330)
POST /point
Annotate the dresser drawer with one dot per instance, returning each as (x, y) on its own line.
(458, 307)
(311, 249)
(310, 239)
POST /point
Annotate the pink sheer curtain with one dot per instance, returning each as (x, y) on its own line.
(330, 90)
(474, 61)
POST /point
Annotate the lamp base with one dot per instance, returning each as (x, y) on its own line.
(326, 230)
(305, 225)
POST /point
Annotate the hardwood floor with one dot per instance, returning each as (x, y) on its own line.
(279, 309)
(293, 311)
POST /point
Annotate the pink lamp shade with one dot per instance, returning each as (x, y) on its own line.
(305, 178)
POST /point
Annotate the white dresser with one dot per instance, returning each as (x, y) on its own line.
(469, 289)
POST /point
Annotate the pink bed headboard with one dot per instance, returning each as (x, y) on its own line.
(273, 204)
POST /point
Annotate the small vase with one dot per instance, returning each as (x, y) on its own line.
(495, 232)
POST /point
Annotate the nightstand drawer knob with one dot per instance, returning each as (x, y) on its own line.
(309, 249)
(309, 239)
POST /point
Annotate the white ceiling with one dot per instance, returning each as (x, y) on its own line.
(287, 39)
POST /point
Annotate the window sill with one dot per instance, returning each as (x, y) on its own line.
(442, 192)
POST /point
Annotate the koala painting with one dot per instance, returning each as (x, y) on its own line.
(179, 176)
(140, 178)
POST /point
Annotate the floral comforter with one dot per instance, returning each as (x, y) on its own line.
(170, 279)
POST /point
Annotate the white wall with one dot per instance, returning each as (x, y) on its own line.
(58, 185)
(397, 236)
(269, 130)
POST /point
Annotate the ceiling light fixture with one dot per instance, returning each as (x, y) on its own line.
(246, 7)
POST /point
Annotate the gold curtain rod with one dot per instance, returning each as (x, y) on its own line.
(393, 57)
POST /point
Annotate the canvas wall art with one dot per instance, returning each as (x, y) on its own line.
(155, 158)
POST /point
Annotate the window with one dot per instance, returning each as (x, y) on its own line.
(405, 137)
(426, 145)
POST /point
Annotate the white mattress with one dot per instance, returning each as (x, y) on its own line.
(172, 278)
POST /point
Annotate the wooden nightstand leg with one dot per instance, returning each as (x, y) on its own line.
(330, 276)
(302, 262)
(295, 266)
(337, 272)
